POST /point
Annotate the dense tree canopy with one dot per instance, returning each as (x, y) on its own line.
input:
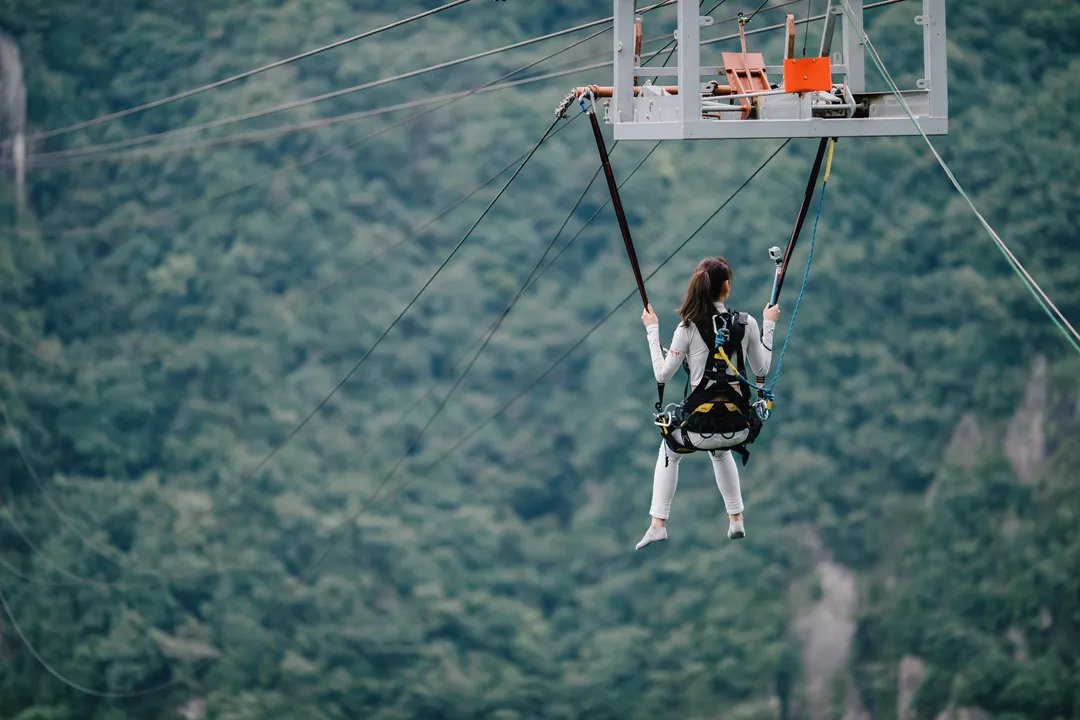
(168, 317)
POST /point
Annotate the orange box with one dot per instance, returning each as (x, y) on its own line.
(807, 74)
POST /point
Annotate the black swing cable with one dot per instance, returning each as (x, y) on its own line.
(746, 21)
(806, 28)
(529, 281)
(382, 336)
(800, 219)
(371, 499)
(555, 258)
(550, 131)
(624, 225)
(307, 572)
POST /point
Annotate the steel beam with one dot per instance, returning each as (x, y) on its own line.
(854, 52)
(689, 61)
(623, 102)
(935, 57)
(779, 129)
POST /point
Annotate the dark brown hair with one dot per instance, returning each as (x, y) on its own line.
(706, 286)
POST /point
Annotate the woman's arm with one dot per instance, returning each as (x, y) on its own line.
(664, 367)
(758, 343)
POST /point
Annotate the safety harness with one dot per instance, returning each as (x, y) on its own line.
(720, 404)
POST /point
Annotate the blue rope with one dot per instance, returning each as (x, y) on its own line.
(802, 292)
(767, 392)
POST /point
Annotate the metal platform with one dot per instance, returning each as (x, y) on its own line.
(652, 112)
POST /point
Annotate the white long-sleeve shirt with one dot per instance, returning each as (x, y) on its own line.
(687, 344)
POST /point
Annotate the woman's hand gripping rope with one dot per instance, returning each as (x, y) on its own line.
(648, 317)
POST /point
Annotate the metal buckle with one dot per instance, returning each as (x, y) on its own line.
(761, 407)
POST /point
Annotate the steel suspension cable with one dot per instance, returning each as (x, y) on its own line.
(271, 133)
(806, 28)
(1042, 299)
(414, 444)
(378, 341)
(106, 553)
(576, 344)
(281, 444)
(307, 572)
(337, 152)
(530, 283)
(550, 132)
(255, 136)
(296, 103)
(242, 75)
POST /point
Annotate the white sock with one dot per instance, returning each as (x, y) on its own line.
(736, 530)
(652, 535)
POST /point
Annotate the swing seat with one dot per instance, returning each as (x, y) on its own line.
(746, 74)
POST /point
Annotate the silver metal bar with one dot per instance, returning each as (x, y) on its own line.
(854, 53)
(680, 116)
(689, 60)
(759, 93)
(935, 58)
(832, 12)
(750, 129)
(721, 108)
(672, 71)
(623, 93)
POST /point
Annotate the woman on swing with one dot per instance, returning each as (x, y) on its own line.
(707, 325)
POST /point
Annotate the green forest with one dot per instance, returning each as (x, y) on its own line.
(182, 536)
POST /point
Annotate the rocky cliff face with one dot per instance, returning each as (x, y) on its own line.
(13, 114)
(1025, 438)
(826, 629)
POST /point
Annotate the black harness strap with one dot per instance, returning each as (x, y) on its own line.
(808, 197)
(624, 226)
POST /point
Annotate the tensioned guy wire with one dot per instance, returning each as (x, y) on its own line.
(370, 502)
(278, 63)
(169, 683)
(240, 76)
(531, 282)
(1045, 303)
(382, 336)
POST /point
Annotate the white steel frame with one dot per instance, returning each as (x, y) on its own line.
(655, 116)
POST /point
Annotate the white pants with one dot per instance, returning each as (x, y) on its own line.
(666, 475)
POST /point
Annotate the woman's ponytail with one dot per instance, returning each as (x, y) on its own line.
(705, 289)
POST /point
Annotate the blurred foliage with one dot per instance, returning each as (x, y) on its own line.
(184, 311)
